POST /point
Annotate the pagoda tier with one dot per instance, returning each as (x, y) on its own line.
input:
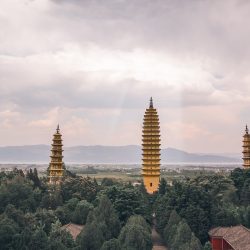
(151, 161)
(246, 149)
(56, 168)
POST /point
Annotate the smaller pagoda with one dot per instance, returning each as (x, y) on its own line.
(56, 166)
(246, 149)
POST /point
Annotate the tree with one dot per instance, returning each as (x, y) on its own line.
(56, 244)
(79, 187)
(15, 214)
(198, 221)
(91, 238)
(52, 200)
(237, 175)
(187, 198)
(60, 236)
(106, 213)
(39, 240)
(81, 212)
(102, 225)
(45, 219)
(66, 212)
(33, 176)
(139, 220)
(207, 246)
(108, 182)
(162, 186)
(112, 244)
(195, 244)
(245, 193)
(8, 229)
(18, 192)
(134, 236)
(245, 217)
(128, 201)
(170, 230)
(182, 237)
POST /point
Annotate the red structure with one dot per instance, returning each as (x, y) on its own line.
(230, 238)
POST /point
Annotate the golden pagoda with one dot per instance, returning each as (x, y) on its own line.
(56, 167)
(246, 149)
(151, 149)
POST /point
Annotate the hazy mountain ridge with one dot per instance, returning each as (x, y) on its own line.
(104, 154)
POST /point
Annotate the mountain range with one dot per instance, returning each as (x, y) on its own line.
(105, 154)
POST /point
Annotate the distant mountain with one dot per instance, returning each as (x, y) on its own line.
(104, 154)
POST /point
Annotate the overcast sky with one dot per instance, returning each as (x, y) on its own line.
(92, 65)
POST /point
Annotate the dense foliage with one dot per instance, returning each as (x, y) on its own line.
(205, 202)
(117, 215)
(32, 213)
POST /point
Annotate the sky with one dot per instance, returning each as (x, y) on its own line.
(92, 66)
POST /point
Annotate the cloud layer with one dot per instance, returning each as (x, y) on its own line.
(92, 66)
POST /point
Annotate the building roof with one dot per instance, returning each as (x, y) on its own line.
(238, 236)
(73, 229)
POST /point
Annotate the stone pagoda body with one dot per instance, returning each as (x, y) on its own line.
(151, 149)
(56, 166)
(246, 149)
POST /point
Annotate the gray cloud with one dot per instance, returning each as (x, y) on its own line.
(62, 57)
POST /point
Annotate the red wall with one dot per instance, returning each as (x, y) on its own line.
(220, 244)
(216, 243)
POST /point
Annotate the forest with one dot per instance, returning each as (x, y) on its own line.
(117, 215)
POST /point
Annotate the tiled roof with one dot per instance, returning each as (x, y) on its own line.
(73, 229)
(238, 236)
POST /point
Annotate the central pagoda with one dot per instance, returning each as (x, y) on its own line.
(151, 149)
(56, 167)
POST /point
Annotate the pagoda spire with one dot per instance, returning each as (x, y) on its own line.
(246, 149)
(151, 105)
(56, 166)
(151, 149)
(58, 129)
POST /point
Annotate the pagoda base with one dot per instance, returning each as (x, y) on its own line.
(151, 183)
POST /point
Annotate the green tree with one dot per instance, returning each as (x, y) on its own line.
(39, 240)
(79, 187)
(33, 176)
(182, 237)
(66, 212)
(198, 221)
(108, 182)
(106, 213)
(45, 218)
(195, 244)
(81, 212)
(91, 238)
(237, 175)
(128, 201)
(60, 236)
(56, 244)
(186, 198)
(52, 200)
(207, 246)
(8, 230)
(162, 186)
(18, 192)
(245, 193)
(134, 236)
(112, 244)
(15, 214)
(170, 230)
